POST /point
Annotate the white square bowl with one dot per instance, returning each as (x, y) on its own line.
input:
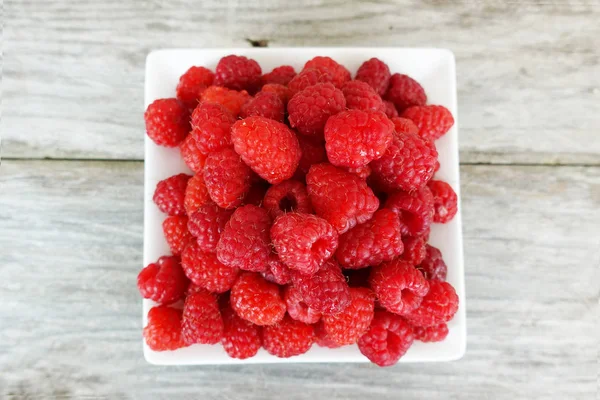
(433, 68)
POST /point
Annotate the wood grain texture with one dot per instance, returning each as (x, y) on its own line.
(528, 71)
(71, 246)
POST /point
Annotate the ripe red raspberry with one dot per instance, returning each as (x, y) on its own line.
(169, 194)
(206, 224)
(376, 73)
(389, 337)
(390, 109)
(371, 242)
(281, 75)
(407, 164)
(176, 233)
(191, 85)
(269, 147)
(163, 331)
(360, 96)
(283, 92)
(414, 249)
(244, 242)
(438, 306)
(277, 272)
(433, 121)
(257, 300)
(404, 125)
(399, 286)
(167, 122)
(310, 108)
(202, 321)
(349, 325)
(288, 338)
(241, 339)
(232, 100)
(297, 308)
(435, 333)
(340, 197)
(321, 337)
(303, 241)
(414, 210)
(340, 74)
(309, 77)
(354, 138)
(285, 197)
(433, 266)
(405, 92)
(264, 104)
(206, 271)
(326, 291)
(227, 178)
(362, 172)
(445, 201)
(313, 152)
(191, 154)
(211, 124)
(238, 73)
(163, 282)
(196, 194)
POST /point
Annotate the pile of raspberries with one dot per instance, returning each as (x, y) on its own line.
(307, 217)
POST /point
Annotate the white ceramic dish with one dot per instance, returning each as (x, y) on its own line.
(433, 68)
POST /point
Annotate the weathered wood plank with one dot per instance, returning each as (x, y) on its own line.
(528, 75)
(71, 246)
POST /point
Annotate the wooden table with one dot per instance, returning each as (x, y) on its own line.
(71, 194)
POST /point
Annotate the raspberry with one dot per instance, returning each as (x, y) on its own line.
(340, 74)
(256, 194)
(176, 233)
(390, 109)
(163, 282)
(435, 333)
(445, 201)
(257, 300)
(196, 194)
(309, 77)
(269, 147)
(191, 154)
(440, 305)
(227, 178)
(232, 100)
(169, 194)
(399, 286)
(407, 164)
(285, 197)
(264, 104)
(414, 249)
(166, 122)
(163, 331)
(376, 73)
(433, 121)
(360, 96)
(371, 242)
(404, 125)
(405, 92)
(238, 73)
(340, 197)
(326, 291)
(241, 339)
(206, 271)
(296, 307)
(310, 108)
(277, 272)
(414, 210)
(321, 337)
(202, 321)
(192, 84)
(211, 124)
(283, 92)
(313, 152)
(281, 75)
(389, 337)
(433, 266)
(349, 325)
(288, 338)
(245, 240)
(303, 241)
(362, 172)
(354, 138)
(206, 224)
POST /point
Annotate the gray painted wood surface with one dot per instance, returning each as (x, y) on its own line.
(71, 224)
